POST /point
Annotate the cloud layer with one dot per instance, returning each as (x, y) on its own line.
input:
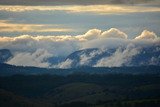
(73, 2)
(96, 9)
(6, 26)
(38, 59)
(36, 49)
(119, 58)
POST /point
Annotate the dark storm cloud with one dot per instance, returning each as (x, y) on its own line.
(72, 2)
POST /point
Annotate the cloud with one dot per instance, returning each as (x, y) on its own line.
(114, 33)
(62, 46)
(74, 2)
(96, 9)
(65, 64)
(119, 58)
(37, 58)
(91, 34)
(85, 59)
(57, 45)
(147, 35)
(6, 26)
(98, 34)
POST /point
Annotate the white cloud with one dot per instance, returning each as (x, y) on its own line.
(147, 35)
(27, 45)
(85, 59)
(92, 34)
(57, 45)
(98, 34)
(38, 59)
(114, 33)
(119, 58)
(65, 64)
(106, 43)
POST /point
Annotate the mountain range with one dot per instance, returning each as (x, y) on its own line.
(95, 57)
(114, 57)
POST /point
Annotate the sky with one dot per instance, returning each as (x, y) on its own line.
(75, 17)
(60, 27)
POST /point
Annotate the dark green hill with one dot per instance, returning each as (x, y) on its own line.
(76, 92)
(9, 70)
(8, 99)
(81, 90)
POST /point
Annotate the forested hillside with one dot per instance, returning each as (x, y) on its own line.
(80, 90)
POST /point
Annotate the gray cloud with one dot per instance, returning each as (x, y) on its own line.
(74, 2)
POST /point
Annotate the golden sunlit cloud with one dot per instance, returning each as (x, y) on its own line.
(6, 26)
(98, 9)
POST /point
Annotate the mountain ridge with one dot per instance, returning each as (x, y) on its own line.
(9, 70)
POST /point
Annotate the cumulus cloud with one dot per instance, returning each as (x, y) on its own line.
(62, 46)
(114, 33)
(92, 34)
(147, 35)
(98, 34)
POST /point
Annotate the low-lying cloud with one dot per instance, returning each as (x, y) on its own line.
(37, 58)
(119, 58)
(34, 50)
